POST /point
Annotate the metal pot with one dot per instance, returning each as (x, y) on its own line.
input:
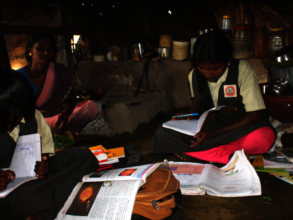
(284, 54)
(165, 52)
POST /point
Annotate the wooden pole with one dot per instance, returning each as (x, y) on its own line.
(4, 58)
(67, 36)
(249, 14)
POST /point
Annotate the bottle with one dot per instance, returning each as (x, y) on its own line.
(276, 39)
(226, 22)
(135, 53)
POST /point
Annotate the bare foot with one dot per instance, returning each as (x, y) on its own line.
(183, 156)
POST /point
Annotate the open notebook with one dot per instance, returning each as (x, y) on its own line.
(26, 153)
(190, 127)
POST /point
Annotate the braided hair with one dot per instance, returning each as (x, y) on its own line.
(213, 47)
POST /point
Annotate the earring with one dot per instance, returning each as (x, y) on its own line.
(30, 54)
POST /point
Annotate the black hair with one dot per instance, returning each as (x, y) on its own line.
(213, 47)
(16, 99)
(33, 39)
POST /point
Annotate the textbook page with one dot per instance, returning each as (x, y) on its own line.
(189, 175)
(101, 200)
(234, 179)
(129, 173)
(26, 153)
(256, 186)
(237, 178)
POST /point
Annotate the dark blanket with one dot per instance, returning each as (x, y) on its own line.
(169, 141)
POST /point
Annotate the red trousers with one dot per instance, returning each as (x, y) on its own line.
(256, 142)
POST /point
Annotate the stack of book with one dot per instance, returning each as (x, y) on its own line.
(107, 156)
(276, 164)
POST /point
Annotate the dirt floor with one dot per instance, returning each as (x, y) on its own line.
(210, 207)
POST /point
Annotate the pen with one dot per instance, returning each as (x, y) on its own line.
(181, 116)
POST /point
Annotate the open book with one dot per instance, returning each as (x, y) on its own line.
(236, 179)
(26, 153)
(287, 152)
(190, 127)
(107, 194)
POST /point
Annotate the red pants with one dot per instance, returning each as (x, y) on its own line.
(256, 142)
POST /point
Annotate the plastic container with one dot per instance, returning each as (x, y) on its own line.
(180, 50)
(260, 42)
(226, 22)
(115, 57)
(241, 41)
(165, 41)
(276, 39)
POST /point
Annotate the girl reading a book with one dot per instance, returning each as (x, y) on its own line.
(219, 80)
(57, 173)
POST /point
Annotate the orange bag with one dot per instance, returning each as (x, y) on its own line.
(155, 199)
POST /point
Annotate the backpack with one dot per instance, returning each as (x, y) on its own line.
(156, 198)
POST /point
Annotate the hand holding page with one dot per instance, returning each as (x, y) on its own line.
(27, 152)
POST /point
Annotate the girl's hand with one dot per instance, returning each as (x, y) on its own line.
(60, 125)
(5, 178)
(203, 136)
(42, 168)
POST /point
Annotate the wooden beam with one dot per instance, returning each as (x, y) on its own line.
(19, 29)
